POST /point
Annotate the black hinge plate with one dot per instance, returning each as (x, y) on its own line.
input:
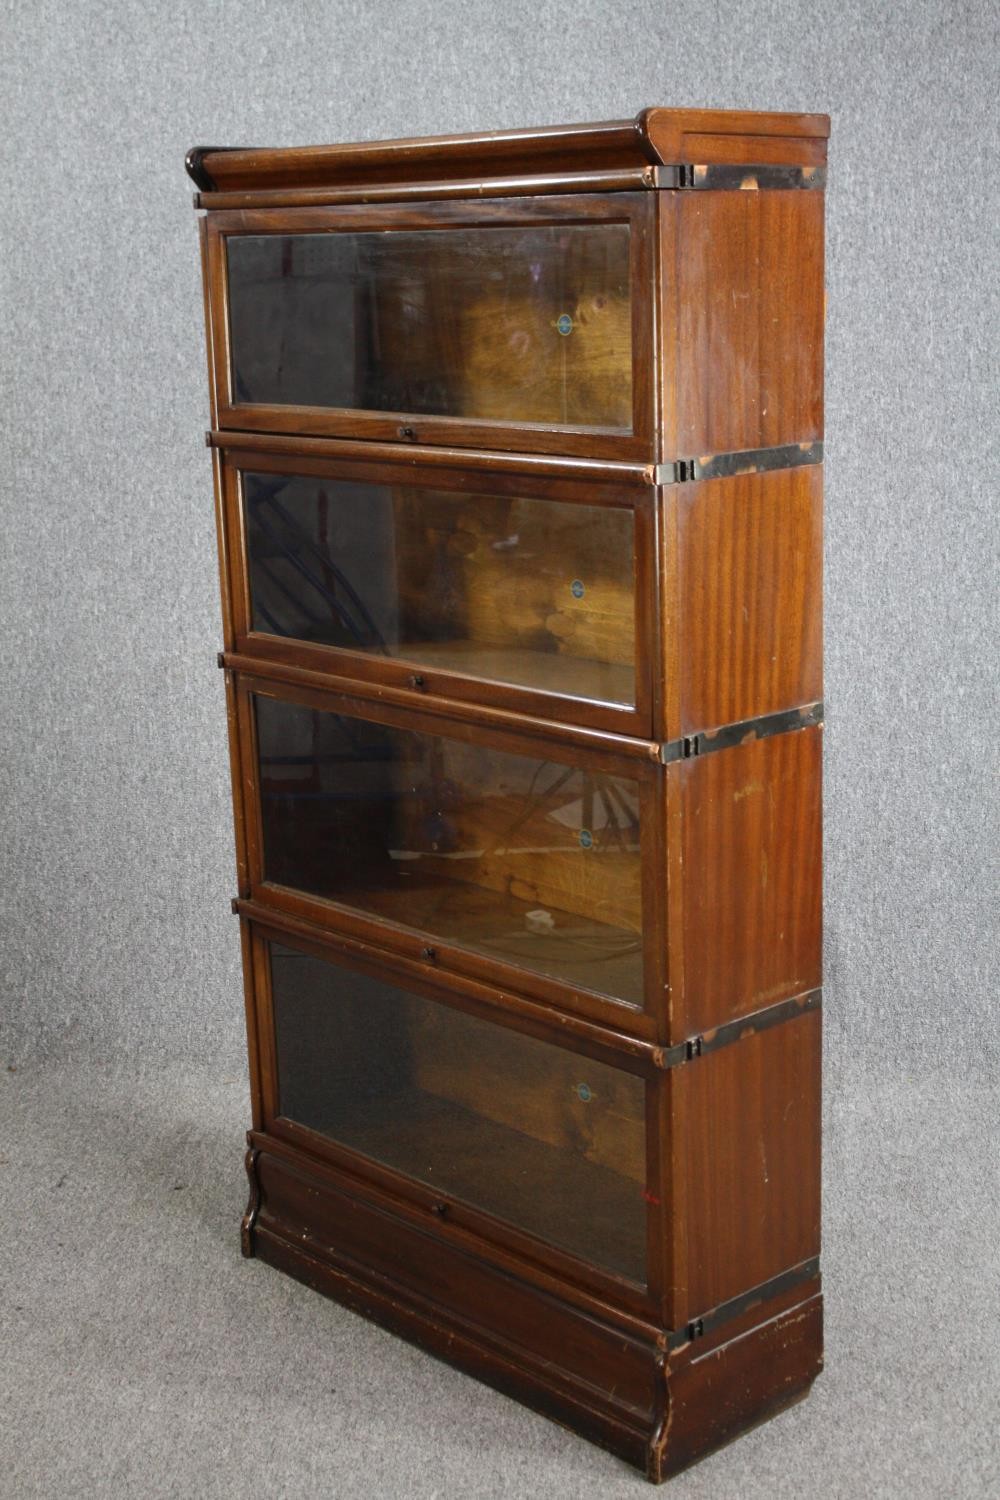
(742, 733)
(745, 461)
(765, 176)
(697, 1328)
(756, 1021)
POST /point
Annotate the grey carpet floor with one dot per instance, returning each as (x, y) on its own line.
(139, 1355)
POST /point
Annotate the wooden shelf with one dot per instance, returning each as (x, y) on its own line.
(541, 671)
(544, 671)
(578, 951)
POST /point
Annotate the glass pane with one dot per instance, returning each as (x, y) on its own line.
(527, 324)
(545, 1139)
(529, 861)
(533, 592)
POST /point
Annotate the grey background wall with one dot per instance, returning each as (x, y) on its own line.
(138, 1355)
(117, 860)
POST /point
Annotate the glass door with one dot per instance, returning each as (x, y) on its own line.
(517, 592)
(546, 1140)
(517, 323)
(524, 869)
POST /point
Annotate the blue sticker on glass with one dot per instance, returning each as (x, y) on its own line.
(583, 1092)
(564, 323)
(586, 838)
(576, 588)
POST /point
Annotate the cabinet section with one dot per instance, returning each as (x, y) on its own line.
(516, 1127)
(526, 860)
(519, 319)
(520, 591)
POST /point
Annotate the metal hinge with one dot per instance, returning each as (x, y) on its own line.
(729, 1032)
(742, 461)
(715, 1317)
(727, 736)
(678, 471)
(752, 176)
(682, 749)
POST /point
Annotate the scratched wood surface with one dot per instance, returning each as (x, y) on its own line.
(745, 1121)
(746, 278)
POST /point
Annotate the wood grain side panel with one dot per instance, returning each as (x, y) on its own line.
(752, 830)
(747, 1125)
(739, 150)
(750, 289)
(747, 638)
(737, 1386)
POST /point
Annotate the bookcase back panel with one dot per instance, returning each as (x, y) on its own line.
(517, 589)
(532, 862)
(518, 1127)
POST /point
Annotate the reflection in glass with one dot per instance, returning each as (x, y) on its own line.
(530, 861)
(548, 1140)
(514, 589)
(520, 324)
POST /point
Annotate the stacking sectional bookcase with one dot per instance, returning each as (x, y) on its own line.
(517, 443)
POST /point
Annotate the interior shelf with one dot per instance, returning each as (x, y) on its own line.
(552, 672)
(578, 951)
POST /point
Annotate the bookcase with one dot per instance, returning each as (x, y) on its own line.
(517, 444)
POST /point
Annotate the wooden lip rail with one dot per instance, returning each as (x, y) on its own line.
(429, 455)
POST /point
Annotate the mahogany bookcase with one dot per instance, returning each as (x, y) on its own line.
(518, 461)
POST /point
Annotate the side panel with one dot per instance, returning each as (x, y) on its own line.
(749, 578)
(746, 1129)
(723, 1393)
(741, 349)
(751, 829)
(744, 271)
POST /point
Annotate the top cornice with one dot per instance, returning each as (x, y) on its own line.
(655, 137)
